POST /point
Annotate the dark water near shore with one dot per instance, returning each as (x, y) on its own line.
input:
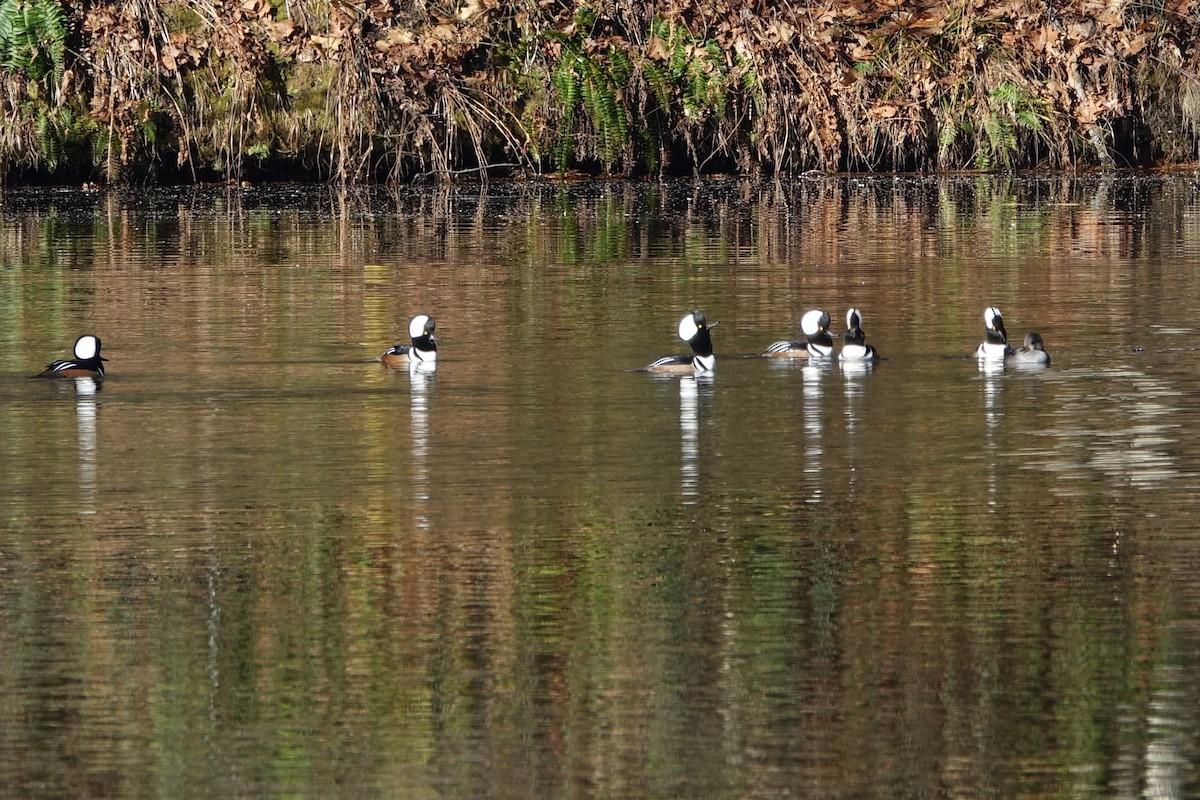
(253, 563)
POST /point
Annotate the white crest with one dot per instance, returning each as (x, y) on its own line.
(86, 347)
(416, 327)
(850, 318)
(688, 328)
(814, 322)
(990, 315)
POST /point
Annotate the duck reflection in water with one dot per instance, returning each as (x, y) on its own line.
(853, 375)
(421, 378)
(690, 391)
(813, 377)
(85, 428)
(992, 371)
(84, 391)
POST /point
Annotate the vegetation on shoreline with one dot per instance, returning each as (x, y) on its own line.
(168, 90)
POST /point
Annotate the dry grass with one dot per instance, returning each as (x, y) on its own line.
(363, 91)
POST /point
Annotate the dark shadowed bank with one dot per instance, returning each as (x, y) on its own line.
(151, 90)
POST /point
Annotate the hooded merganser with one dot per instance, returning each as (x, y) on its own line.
(995, 346)
(854, 344)
(817, 343)
(1033, 353)
(423, 349)
(694, 330)
(86, 364)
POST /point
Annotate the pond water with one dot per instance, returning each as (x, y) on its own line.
(252, 562)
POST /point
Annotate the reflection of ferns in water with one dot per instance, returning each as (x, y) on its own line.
(33, 35)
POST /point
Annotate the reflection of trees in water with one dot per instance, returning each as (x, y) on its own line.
(546, 627)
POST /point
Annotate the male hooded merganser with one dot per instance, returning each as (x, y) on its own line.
(995, 346)
(816, 344)
(423, 349)
(854, 344)
(86, 364)
(694, 330)
(1033, 353)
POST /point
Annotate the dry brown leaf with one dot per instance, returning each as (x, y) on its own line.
(257, 8)
(330, 44)
(470, 9)
(657, 49)
(781, 32)
(278, 31)
(1137, 43)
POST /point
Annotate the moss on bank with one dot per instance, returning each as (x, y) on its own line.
(168, 90)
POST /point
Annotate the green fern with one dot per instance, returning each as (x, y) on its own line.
(660, 84)
(696, 70)
(61, 134)
(48, 142)
(751, 84)
(591, 84)
(678, 63)
(947, 135)
(33, 36)
(1011, 108)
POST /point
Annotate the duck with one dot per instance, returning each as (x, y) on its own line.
(87, 362)
(423, 349)
(995, 346)
(854, 341)
(816, 344)
(694, 330)
(1033, 352)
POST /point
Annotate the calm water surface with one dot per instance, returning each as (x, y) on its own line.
(253, 563)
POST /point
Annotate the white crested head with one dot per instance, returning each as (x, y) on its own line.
(689, 326)
(420, 325)
(814, 322)
(854, 318)
(87, 346)
(990, 315)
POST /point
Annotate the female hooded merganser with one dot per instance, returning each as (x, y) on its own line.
(1033, 353)
(854, 345)
(694, 330)
(817, 343)
(86, 364)
(423, 349)
(995, 346)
